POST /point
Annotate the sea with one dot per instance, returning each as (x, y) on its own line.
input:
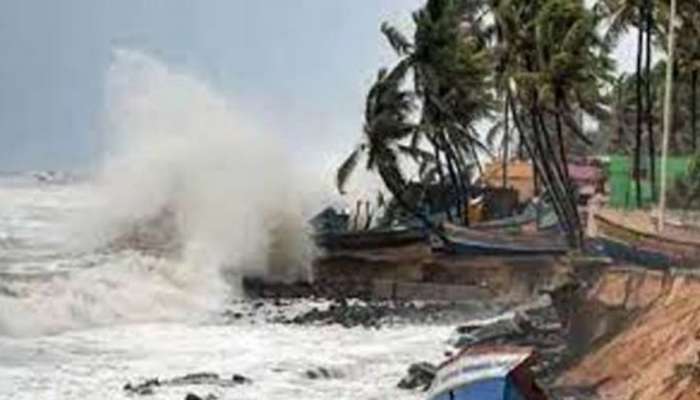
(80, 323)
(89, 302)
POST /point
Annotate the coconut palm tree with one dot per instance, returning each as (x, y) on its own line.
(450, 67)
(387, 121)
(621, 15)
(555, 68)
(688, 50)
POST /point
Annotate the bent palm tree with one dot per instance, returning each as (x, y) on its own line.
(449, 66)
(387, 111)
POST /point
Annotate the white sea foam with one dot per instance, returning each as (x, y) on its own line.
(173, 144)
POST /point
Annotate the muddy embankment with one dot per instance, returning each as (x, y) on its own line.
(635, 334)
(414, 273)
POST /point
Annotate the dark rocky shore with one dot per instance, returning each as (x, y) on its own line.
(348, 305)
(540, 324)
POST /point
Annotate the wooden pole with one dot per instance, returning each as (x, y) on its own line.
(667, 112)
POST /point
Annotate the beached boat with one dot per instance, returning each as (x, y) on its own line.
(463, 240)
(532, 218)
(635, 231)
(370, 239)
(487, 373)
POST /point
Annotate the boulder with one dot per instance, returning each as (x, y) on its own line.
(419, 375)
(240, 379)
(321, 373)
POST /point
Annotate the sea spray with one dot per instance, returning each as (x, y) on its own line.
(176, 149)
(175, 143)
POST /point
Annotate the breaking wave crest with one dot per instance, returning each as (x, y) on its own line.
(189, 193)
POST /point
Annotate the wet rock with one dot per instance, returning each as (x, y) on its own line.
(501, 328)
(322, 373)
(419, 375)
(357, 313)
(192, 396)
(201, 378)
(342, 313)
(240, 379)
(142, 389)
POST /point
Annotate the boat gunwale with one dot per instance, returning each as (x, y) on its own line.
(646, 235)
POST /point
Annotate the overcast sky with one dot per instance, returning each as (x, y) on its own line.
(303, 64)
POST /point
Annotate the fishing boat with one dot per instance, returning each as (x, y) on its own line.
(532, 218)
(370, 239)
(635, 231)
(463, 240)
(487, 373)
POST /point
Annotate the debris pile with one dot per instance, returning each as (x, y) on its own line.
(536, 325)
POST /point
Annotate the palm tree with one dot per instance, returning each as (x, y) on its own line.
(449, 67)
(648, 8)
(387, 112)
(688, 50)
(556, 68)
(621, 15)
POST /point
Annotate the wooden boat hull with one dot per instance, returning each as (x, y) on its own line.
(474, 242)
(528, 221)
(677, 251)
(369, 239)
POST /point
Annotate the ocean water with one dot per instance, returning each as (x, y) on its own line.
(80, 316)
(79, 322)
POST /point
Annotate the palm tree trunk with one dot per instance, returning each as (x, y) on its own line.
(650, 101)
(561, 181)
(567, 179)
(560, 137)
(555, 188)
(463, 187)
(506, 133)
(638, 137)
(441, 177)
(621, 117)
(457, 191)
(694, 109)
(537, 161)
(398, 192)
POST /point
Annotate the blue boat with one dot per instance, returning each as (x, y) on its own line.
(461, 240)
(487, 373)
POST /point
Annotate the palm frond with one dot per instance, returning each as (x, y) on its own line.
(396, 39)
(493, 132)
(346, 169)
(416, 153)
